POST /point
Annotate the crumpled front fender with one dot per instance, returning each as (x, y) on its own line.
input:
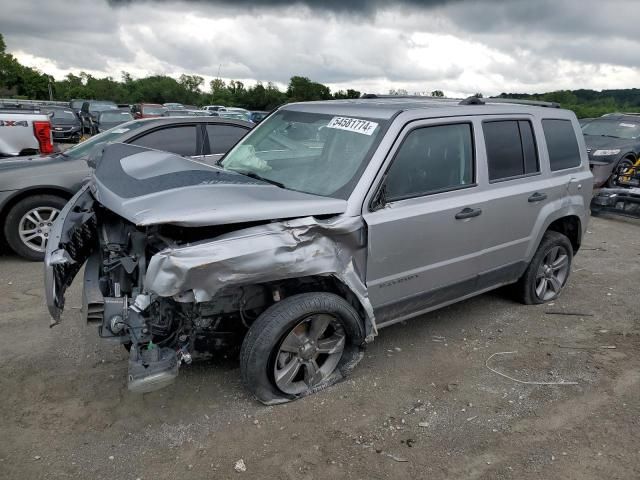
(276, 251)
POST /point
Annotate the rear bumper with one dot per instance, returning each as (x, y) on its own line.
(72, 239)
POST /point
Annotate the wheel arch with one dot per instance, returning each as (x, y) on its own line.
(571, 227)
(323, 283)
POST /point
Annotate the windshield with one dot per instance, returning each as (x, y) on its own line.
(308, 152)
(115, 116)
(613, 128)
(101, 107)
(62, 114)
(84, 149)
(153, 109)
(77, 104)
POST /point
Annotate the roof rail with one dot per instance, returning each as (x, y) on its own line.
(534, 103)
(421, 97)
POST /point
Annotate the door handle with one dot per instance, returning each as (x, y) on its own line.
(537, 197)
(468, 213)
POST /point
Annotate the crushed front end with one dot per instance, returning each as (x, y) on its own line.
(181, 258)
(160, 333)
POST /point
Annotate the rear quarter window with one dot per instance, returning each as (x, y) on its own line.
(561, 144)
(511, 149)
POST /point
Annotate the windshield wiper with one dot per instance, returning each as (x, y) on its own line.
(610, 136)
(262, 179)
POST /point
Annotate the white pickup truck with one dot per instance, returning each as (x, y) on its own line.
(24, 132)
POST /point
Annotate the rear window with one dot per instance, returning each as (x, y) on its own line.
(511, 149)
(561, 144)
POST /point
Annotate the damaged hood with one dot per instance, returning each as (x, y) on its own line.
(150, 187)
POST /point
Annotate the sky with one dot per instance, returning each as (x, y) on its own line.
(458, 46)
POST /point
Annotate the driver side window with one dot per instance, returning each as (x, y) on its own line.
(431, 160)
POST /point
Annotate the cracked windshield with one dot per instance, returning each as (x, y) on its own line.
(311, 153)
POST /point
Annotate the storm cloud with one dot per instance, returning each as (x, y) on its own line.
(459, 46)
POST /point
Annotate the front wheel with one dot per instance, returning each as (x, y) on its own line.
(299, 346)
(548, 272)
(28, 224)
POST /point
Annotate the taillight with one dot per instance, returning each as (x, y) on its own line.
(42, 132)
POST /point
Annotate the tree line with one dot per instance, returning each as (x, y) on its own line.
(20, 81)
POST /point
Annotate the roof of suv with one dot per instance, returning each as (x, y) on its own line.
(386, 107)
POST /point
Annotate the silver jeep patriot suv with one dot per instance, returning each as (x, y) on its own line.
(327, 222)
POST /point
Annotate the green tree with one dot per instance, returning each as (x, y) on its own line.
(302, 89)
(437, 93)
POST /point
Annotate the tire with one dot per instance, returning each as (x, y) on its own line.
(16, 218)
(263, 347)
(528, 287)
(612, 180)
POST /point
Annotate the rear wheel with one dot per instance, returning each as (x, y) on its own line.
(300, 345)
(29, 223)
(548, 271)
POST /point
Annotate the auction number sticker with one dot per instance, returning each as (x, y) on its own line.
(353, 125)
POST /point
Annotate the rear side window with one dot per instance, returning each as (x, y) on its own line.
(430, 160)
(180, 140)
(511, 149)
(223, 137)
(561, 143)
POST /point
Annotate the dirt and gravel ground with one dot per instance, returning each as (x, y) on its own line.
(422, 403)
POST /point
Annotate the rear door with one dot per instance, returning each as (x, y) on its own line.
(219, 138)
(517, 190)
(182, 139)
(423, 244)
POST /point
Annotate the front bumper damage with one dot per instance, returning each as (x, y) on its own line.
(72, 239)
(192, 277)
(619, 201)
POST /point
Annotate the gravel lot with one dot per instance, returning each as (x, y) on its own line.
(421, 404)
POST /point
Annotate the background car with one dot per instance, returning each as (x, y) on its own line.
(257, 116)
(186, 113)
(89, 113)
(612, 141)
(232, 114)
(111, 118)
(33, 190)
(148, 110)
(173, 106)
(65, 124)
(76, 104)
(214, 108)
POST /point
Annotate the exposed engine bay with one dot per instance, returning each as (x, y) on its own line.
(171, 294)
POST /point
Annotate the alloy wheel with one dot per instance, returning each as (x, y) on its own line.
(309, 353)
(552, 273)
(35, 226)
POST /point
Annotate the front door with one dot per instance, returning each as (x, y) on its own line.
(424, 242)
